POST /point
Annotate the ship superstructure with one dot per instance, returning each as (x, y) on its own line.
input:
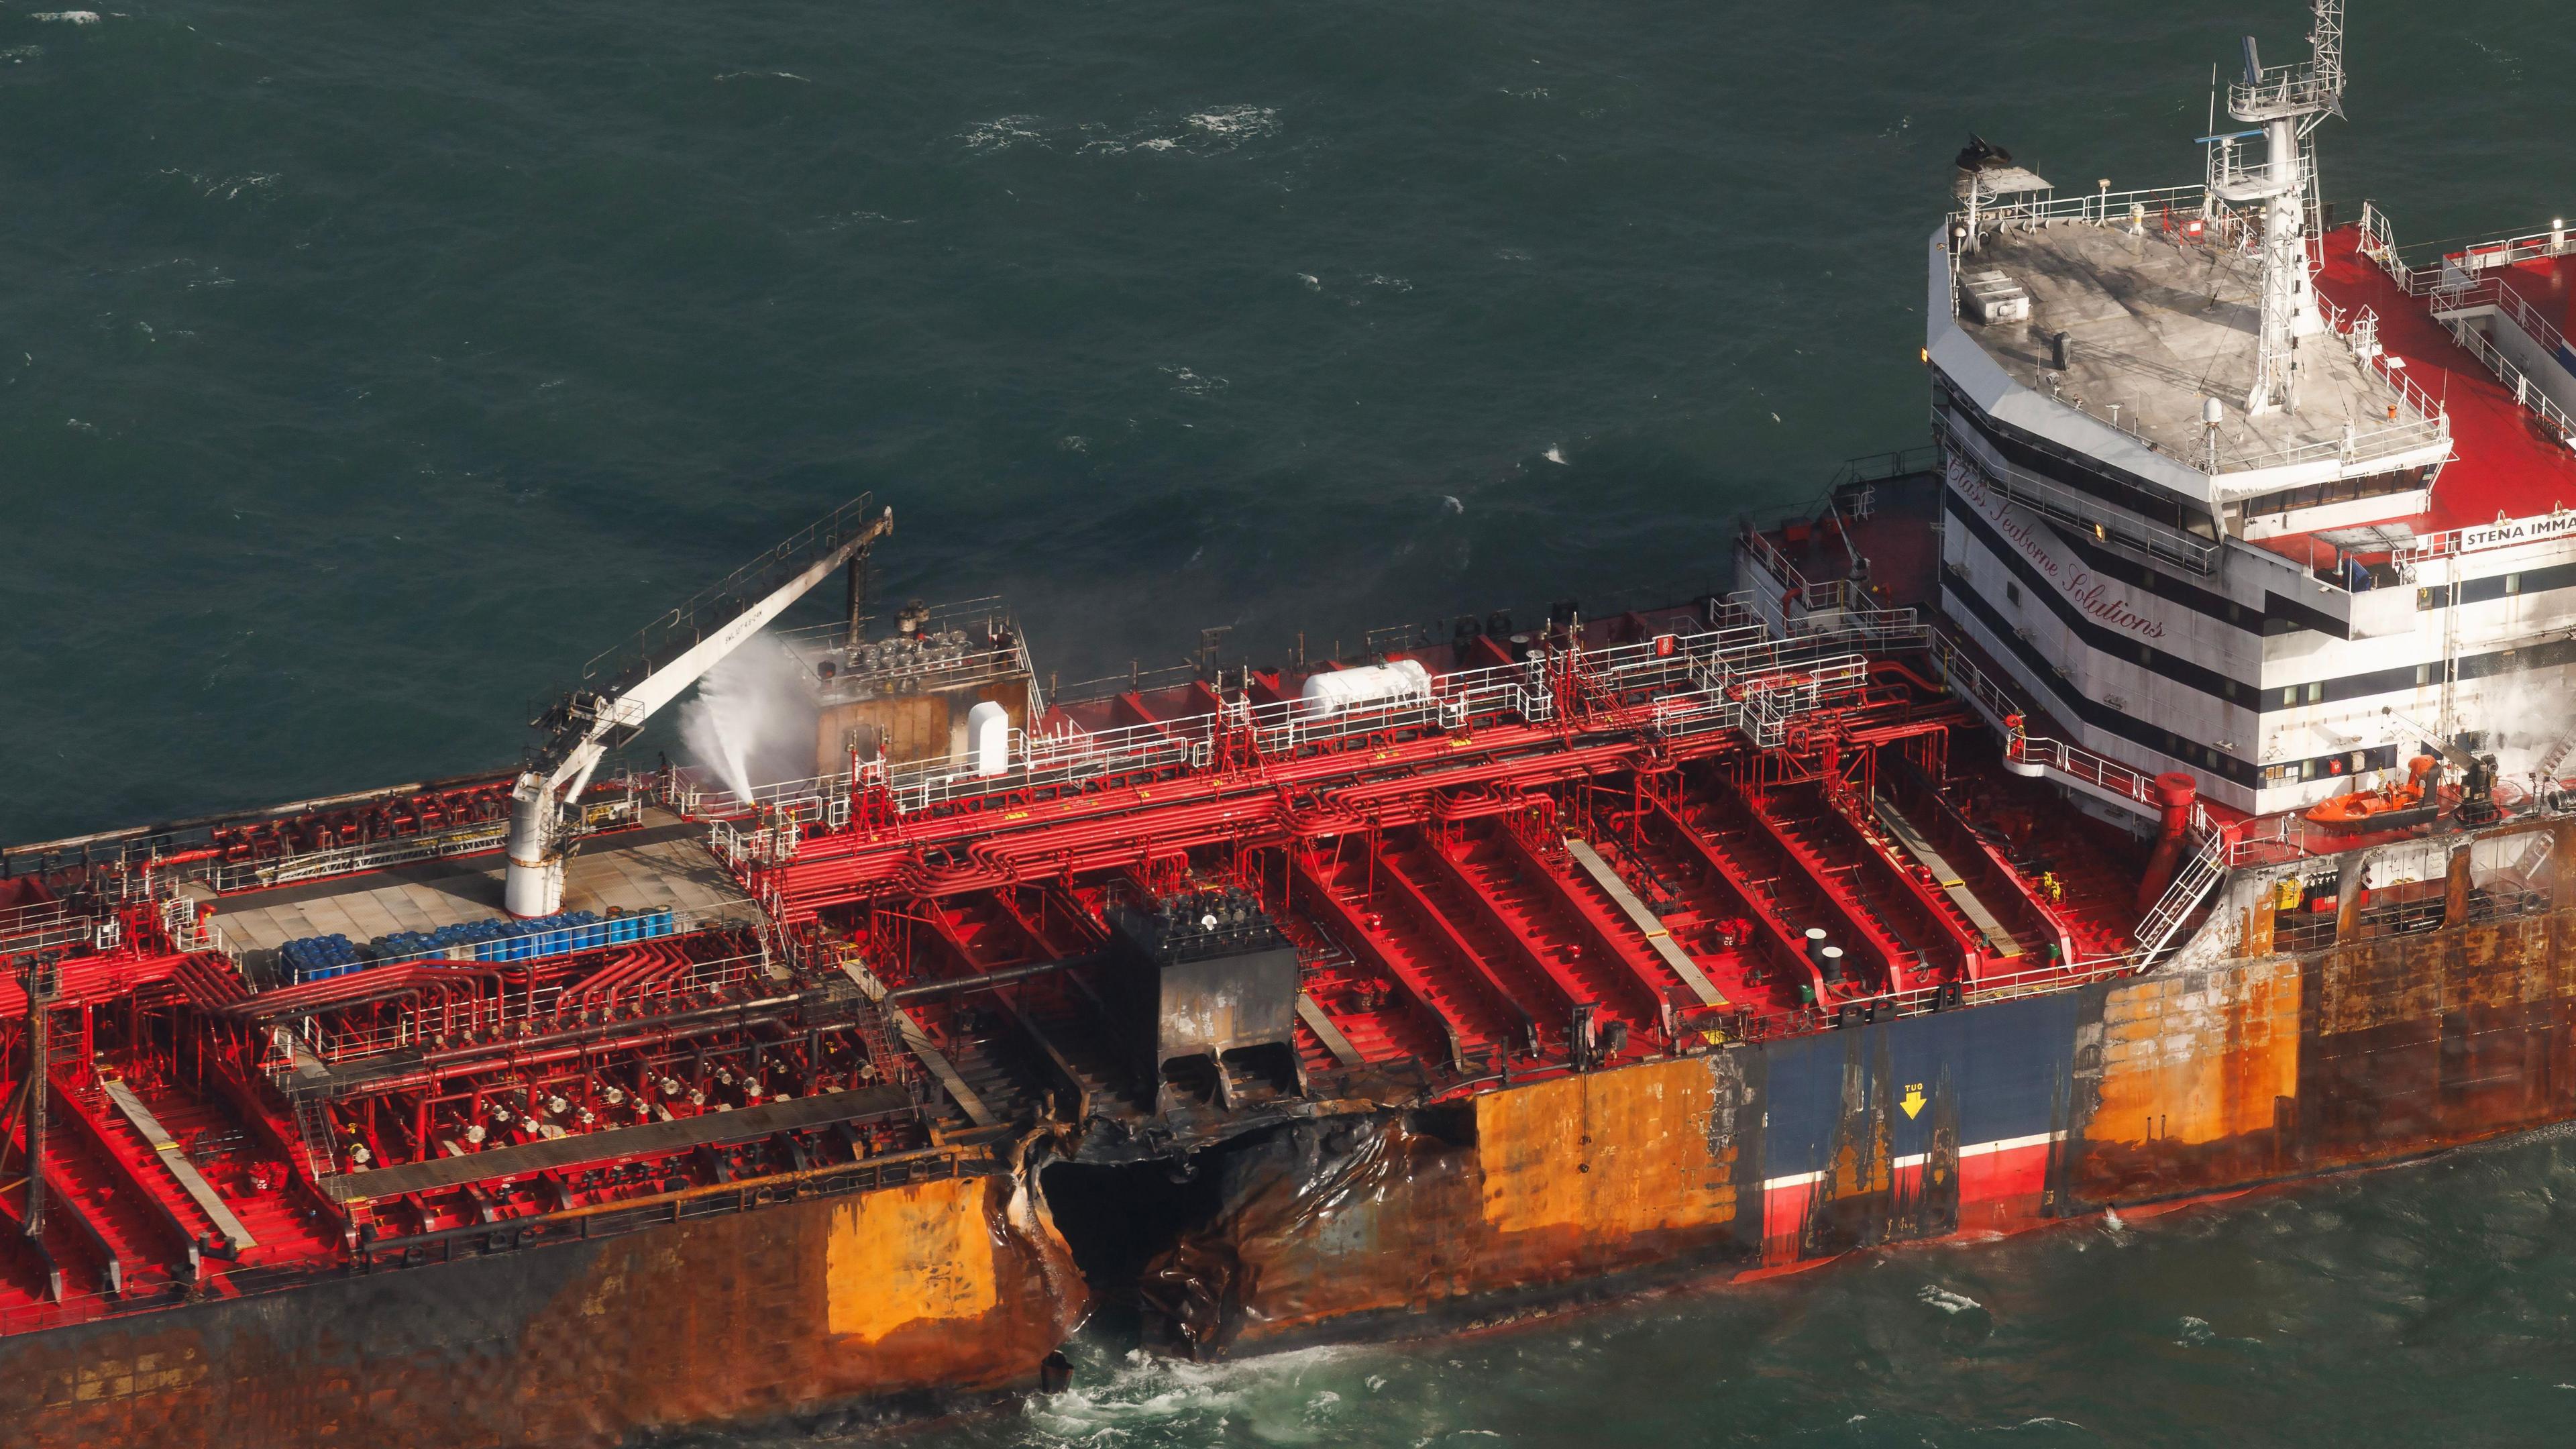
(2236, 493)
(2158, 786)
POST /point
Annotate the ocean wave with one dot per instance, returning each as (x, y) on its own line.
(67, 17)
(1945, 1300)
(1238, 122)
(1002, 133)
(1213, 132)
(1196, 385)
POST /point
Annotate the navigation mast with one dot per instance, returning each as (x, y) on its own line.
(2285, 103)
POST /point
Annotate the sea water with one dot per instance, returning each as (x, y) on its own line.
(364, 370)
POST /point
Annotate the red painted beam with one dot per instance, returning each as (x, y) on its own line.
(1364, 944)
(1786, 940)
(1481, 972)
(1607, 931)
(1865, 928)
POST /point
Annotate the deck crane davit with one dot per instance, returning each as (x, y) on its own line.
(622, 688)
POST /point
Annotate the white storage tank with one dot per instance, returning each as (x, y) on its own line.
(1370, 686)
(988, 738)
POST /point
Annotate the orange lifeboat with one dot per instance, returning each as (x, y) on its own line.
(2361, 808)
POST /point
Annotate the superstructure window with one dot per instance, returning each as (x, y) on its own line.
(2342, 490)
(2316, 692)
(2012, 593)
(2513, 583)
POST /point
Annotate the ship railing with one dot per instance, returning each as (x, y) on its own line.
(2279, 91)
(2450, 302)
(978, 619)
(2100, 208)
(1694, 712)
(2525, 391)
(1925, 1000)
(2422, 423)
(1062, 753)
(2099, 771)
(226, 877)
(336, 1039)
(191, 929)
(809, 800)
(2064, 505)
(2267, 840)
(44, 924)
(2379, 243)
(1969, 682)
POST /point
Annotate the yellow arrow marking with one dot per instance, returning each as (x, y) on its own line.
(1913, 1101)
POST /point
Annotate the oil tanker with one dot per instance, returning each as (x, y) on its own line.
(2150, 790)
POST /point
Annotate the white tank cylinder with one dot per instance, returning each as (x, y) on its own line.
(988, 738)
(1374, 685)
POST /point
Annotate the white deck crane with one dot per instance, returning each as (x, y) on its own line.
(621, 689)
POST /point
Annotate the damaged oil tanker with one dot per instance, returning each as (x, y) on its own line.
(2153, 789)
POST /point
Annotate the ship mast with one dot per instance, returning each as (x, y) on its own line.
(665, 660)
(2285, 104)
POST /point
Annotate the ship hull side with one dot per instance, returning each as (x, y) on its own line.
(1764, 1156)
(919, 1293)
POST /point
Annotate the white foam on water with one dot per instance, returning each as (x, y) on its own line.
(1184, 380)
(1239, 123)
(1555, 455)
(1002, 133)
(1148, 1393)
(1945, 1300)
(67, 17)
(764, 75)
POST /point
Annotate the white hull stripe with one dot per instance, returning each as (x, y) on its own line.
(1917, 1159)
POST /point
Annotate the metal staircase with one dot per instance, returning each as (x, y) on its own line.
(2163, 924)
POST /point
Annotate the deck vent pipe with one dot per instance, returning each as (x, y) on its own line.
(1830, 963)
(2060, 349)
(2175, 790)
(1816, 946)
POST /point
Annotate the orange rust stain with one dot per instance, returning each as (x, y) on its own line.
(1608, 1154)
(2198, 1056)
(913, 1254)
(716, 1319)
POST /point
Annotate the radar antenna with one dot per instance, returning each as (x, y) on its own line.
(2286, 103)
(623, 687)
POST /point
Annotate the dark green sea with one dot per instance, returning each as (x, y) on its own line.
(367, 367)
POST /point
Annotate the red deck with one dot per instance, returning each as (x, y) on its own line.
(1464, 891)
(2508, 463)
